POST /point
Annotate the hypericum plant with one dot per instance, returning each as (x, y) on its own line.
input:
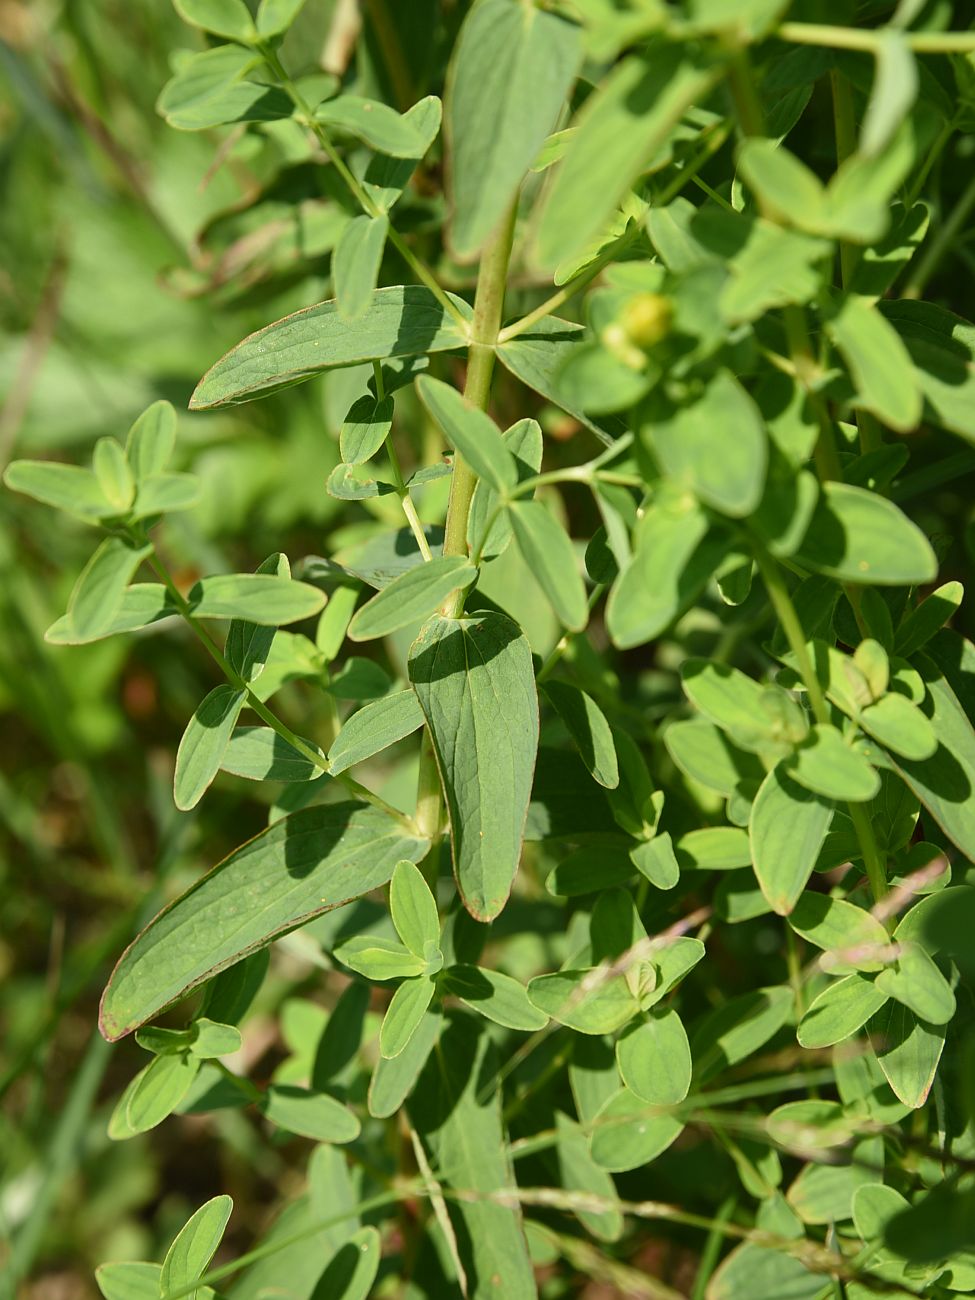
(732, 969)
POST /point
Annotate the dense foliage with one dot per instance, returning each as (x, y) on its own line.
(586, 690)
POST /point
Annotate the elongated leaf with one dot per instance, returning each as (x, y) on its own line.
(617, 133)
(860, 536)
(839, 1011)
(737, 1029)
(161, 494)
(385, 178)
(580, 1173)
(916, 981)
(787, 827)
(372, 122)
(548, 552)
(303, 865)
(884, 379)
(97, 596)
(675, 552)
(260, 754)
(393, 1079)
(248, 645)
(351, 1272)
(65, 487)
(476, 685)
(129, 1280)
(202, 747)
(276, 16)
(751, 1270)
(893, 93)
(195, 1245)
(365, 428)
(262, 598)
(921, 623)
(470, 431)
(151, 439)
(355, 264)
(412, 596)
(827, 765)
(379, 958)
(413, 909)
(222, 17)
(404, 1014)
(495, 995)
(211, 89)
(584, 1000)
(405, 321)
(142, 604)
(154, 1094)
(908, 1050)
(511, 70)
(458, 1117)
(114, 476)
(484, 537)
(310, 1114)
(586, 724)
(374, 728)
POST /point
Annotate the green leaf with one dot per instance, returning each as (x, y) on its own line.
(260, 754)
(524, 441)
(942, 349)
(654, 1059)
(65, 487)
(385, 178)
(584, 1000)
(894, 91)
(359, 679)
(839, 1011)
(393, 1079)
(775, 267)
(248, 645)
(404, 1014)
(406, 321)
(884, 379)
(732, 701)
(692, 445)
(901, 726)
(310, 1114)
(809, 1126)
(114, 476)
(471, 432)
(706, 755)
(412, 596)
(97, 596)
(789, 190)
(787, 827)
(589, 869)
(619, 130)
(580, 1173)
(142, 603)
(476, 685)
(201, 750)
(161, 494)
(262, 598)
(736, 1030)
(860, 536)
(881, 263)
(908, 1050)
(590, 732)
(214, 1039)
(457, 1115)
(853, 939)
(129, 1280)
(155, 1093)
(494, 995)
(211, 89)
(413, 908)
(936, 1229)
(548, 552)
(365, 428)
(355, 264)
(374, 728)
(825, 764)
(378, 958)
(352, 1270)
(675, 552)
(921, 623)
(222, 17)
(274, 17)
(916, 981)
(627, 1133)
(714, 848)
(372, 122)
(657, 860)
(751, 1270)
(195, 1245)
(303, 865)
(510, 73)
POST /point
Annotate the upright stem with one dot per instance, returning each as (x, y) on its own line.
(488, 306)
(844, 128)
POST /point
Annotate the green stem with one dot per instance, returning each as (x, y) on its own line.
(844, 129)
(362, 197)
(748, 108)
(858, 38)
(566, 640)
(258, 706)
(942, 241)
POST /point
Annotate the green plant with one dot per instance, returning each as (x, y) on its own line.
(797, 769)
